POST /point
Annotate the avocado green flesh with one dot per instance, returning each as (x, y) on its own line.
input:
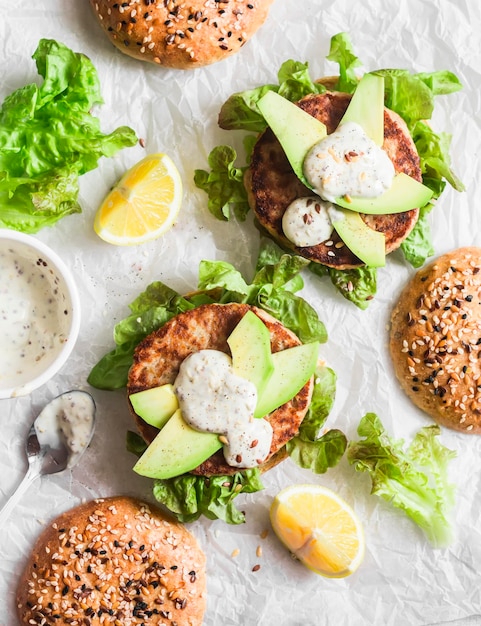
(155, 406)
(405, 194)
(367, 244)
(366, 107)
(250, 346)
(292, 369)
(177, 449)
(296, 130)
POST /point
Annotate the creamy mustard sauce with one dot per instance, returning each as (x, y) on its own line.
(348, 163)
(33, 319)
(213, 399)
(68, 419)
(306, 222)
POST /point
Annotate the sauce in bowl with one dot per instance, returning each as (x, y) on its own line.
(36, 315)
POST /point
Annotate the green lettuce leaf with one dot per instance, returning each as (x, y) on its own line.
(321, 404)
(358, 285)
(308, 449)
(135, 444)
(295, 313)
(418, 246)
(215, 274)
(223, 184)
(276, 267)
(269, 290)
(49, 137)
(151, 310)
(415, 479)
(189, 496)
(318, 456)
(342, 53)
(240, 111)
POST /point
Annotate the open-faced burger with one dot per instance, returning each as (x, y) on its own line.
(223, 384)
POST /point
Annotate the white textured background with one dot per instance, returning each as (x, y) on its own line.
(402, 580)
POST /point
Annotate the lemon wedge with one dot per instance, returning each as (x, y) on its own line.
(319, 528)
(143, 204)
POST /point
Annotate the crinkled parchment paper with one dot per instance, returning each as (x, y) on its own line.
(402, 579)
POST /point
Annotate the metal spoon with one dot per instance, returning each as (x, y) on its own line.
(57, 439)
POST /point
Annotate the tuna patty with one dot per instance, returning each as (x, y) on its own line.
(158, 357)
(272, 185)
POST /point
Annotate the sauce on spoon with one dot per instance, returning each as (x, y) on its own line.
(67, 419)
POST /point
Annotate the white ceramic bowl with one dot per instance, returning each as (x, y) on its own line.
(39, 313)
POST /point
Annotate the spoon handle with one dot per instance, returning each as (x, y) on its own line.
(29, 477)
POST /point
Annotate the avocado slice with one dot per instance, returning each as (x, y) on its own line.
(155, 406)
(366, 107)
(292, 369)
(296, 130)
(178, 448)
(250, 346)
(405, 194)
(367, 244)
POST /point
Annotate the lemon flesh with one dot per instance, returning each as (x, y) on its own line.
(319, 528)
(144, 203)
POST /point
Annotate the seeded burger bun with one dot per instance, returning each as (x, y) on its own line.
(435, 339)
(158, 357)
(113, 561)
(180, 34)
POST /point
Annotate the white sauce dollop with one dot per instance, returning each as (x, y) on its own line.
(69, 418)
(348, 163)
(33, 319)
(306, 222)
(212, 398)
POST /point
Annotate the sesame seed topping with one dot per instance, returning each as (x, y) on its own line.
(444, 327)
(93, 586)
